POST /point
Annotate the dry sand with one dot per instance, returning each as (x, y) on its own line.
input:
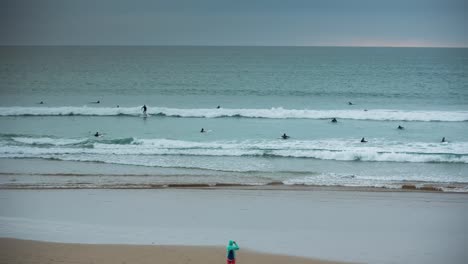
(14, 251)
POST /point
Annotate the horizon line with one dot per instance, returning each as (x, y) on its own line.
(224, 45)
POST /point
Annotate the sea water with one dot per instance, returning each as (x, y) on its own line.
(245, 98)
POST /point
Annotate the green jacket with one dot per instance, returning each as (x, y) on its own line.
(230, 249)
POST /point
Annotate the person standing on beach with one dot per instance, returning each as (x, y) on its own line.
(230, 252)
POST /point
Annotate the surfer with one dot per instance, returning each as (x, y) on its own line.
(230, 252)
(443, 140)
(349, 103)
(97, 134)
(363, 140)
(284, 136)
(202, 130)
(41, 102)
(334, 120)
(400, 127)
(218, 107)
(144, 109)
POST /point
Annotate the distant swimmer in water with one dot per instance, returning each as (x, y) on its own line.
(443, 140)
(284, 136)
(218, 107)
(118, 106)
(97, 134)
(41, 102)
(363, 140)
(202, 130)
(144, 109)
(349, 103)
(400, 127)
(334, 120)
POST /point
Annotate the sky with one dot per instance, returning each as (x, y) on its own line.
(396, 23)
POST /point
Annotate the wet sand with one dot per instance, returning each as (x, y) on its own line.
(15, 251)
(349, 226)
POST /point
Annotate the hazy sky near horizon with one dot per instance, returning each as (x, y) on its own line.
(235, 22)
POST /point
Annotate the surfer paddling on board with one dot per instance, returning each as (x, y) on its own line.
(230, 252)
(284, 136)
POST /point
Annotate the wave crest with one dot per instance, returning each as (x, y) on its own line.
(273, 113)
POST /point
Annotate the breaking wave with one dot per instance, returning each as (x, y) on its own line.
(274, 113)
(139, 151)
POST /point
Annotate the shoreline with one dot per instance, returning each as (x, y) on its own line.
(51, 174)
(30, 251)
(456, 188)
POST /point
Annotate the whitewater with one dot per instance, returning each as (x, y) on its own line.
(242, 162)
(331, 149)
(272, 113)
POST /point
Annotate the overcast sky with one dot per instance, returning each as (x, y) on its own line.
(235, 22)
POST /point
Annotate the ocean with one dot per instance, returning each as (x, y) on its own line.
(245, 98)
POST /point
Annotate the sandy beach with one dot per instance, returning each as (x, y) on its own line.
(15, 251)
(342, 226)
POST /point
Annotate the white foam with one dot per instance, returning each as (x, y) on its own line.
(335, 149)
(48, 141)
(276, 113)
(379, 181)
